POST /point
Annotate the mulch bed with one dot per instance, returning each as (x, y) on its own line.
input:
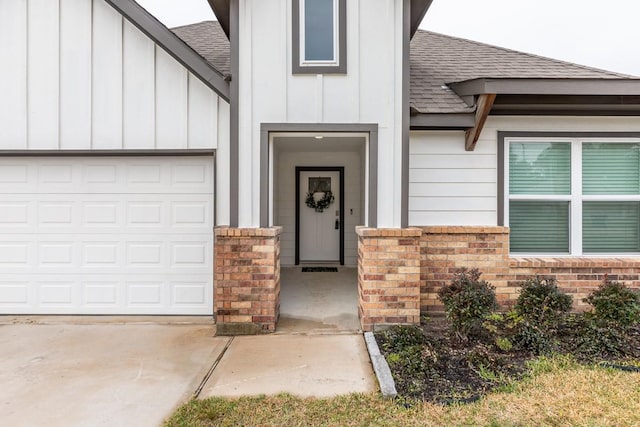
(445, 370)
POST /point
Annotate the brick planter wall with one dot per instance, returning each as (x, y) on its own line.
(444, 249)
(388, 276)
(577, 276)
(247, 280)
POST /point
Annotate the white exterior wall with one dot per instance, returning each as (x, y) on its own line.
(451, 186)
(286, 199)
(76, 75)
(370, 92)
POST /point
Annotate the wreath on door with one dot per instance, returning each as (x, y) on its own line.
(319, 200)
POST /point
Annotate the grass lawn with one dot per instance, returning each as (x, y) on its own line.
(557, 392)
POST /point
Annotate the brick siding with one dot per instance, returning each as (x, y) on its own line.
(444, 249)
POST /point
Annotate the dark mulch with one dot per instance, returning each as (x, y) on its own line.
(434, 365)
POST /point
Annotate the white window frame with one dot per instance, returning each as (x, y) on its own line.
(575, 199)
(336, 38)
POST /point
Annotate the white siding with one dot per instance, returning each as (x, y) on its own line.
(451, 186)
(138, 88)
(43, 74)
(107, 77)
(370, 92)
(13, 74)
(76, 75)
(448, 185)
(286, 198)
(172, 95)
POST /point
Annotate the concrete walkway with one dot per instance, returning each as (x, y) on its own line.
(102, 371)
(100, 374)
(303, 365)
(318, 302)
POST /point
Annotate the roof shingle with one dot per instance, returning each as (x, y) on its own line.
(436, 60)
(209, 40)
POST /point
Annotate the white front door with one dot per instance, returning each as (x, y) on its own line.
(320, 230)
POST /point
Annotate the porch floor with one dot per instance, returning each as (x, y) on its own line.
(318, 302)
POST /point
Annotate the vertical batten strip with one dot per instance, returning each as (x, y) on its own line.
(139, 89)
(106, 77)
(171, 102)
(43, 74)
(13, 79)
(75, 74)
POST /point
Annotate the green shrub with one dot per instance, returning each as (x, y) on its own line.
(467, 301)
(596, 342)
(541, 302)
(604, 332)
(541, 307)
(614, 304)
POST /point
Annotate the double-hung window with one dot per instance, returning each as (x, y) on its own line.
(572, 195)
(319, 40)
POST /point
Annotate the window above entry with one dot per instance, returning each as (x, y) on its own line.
(319, 37)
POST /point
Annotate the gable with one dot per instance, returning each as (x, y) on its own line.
(77, 74)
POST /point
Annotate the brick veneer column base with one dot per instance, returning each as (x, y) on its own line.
(388, 276)
(247, 280)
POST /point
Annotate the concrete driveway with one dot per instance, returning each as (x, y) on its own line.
(100, 374)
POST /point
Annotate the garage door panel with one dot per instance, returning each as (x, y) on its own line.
(14, 293)
(106, 235)
(16, 254)
(107, 253)
(47, 214)
(56, 174)
(13, 174)
(57, 213)
(150, 175)
(117, 294)
(14, 213)
(56, 254)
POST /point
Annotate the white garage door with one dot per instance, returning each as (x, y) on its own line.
(106, 235)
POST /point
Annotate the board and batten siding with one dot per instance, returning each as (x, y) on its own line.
(451, 186)
(77, 75)
(370, 91)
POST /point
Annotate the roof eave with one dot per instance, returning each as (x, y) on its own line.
(173, 45)
(221, 9)
(546, 86)
(419, 9)
(442, 121)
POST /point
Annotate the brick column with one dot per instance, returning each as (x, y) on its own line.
(247, 280)
(388, 276)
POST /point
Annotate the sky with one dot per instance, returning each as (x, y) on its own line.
(602, 34)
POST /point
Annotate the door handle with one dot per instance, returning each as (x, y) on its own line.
(337, 224)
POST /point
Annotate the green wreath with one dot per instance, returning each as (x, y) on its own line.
(322, 204)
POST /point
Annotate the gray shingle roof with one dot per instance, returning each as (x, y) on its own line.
(208, 39)
(436, 60)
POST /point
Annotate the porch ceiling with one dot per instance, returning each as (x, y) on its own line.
(313, 145)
